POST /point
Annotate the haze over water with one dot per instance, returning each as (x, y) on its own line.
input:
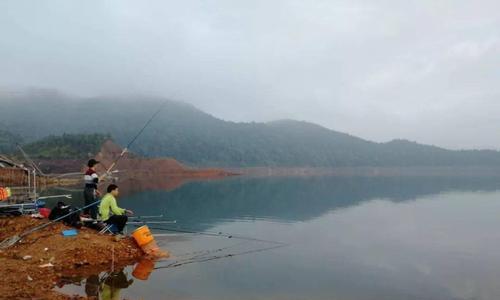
(347, 238)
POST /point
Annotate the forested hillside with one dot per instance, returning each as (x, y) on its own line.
(8, 140)
(191, 136)
(79, 146)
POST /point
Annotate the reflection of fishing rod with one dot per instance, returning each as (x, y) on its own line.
(216, 234)
(113, 164)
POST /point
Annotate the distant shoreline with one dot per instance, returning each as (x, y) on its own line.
(473, 171)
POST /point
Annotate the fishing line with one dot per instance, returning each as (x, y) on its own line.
(199, 253)
(179, 263)
(217, 234)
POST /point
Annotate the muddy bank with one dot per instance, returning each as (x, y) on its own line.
(22, 274)
(137, 173)
(131, 165)
(134, 166)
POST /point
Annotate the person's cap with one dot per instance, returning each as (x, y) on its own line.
(92, 163)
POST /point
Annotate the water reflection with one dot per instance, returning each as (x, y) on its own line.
(283, 199)
(113, 283)
(143, 269)
(104, 286)
(92, 286)
(350, 238)
(204, 204)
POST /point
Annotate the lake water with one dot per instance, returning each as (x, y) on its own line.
(346, 238)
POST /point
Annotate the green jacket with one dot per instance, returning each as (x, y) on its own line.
(108, 204)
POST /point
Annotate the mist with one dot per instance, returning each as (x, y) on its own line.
(422, 70)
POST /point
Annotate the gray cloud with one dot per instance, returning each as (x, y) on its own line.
(424, 70)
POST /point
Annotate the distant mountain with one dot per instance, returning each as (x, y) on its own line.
(196, 138)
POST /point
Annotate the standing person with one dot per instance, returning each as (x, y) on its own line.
(110, 212)
(90, 192)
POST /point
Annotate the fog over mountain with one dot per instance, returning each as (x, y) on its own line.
(196, 138)
(422, 70)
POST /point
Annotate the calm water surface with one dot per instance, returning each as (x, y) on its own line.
(347, 238)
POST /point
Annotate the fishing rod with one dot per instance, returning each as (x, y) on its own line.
(29, 160)
(216, 234)
(8, 242)
(67, 196)
(75, 174)
(17, 210)
(144, 222)
(147, 217)
(125, 150)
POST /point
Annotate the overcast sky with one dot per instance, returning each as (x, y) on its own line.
(426, 70)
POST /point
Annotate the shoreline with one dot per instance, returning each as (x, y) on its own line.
(44, 260)
(418, 171)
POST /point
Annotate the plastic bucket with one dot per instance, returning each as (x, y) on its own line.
(3, 194)
(150, 248)
(142, 236)
(143, 269)
(45, 212)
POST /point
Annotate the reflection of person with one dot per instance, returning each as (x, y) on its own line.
(113, 285)
(92, 286)
(90, 193)
(109, 210)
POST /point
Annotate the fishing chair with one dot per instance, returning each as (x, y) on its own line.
(109, 228)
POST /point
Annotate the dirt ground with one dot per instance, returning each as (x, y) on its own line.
(22, 271)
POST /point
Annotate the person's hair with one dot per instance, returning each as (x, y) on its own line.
(91, 163)
(112, 187)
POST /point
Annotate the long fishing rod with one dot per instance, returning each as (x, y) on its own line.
(74, 174)
(139, 223)
(67, 196)
(216, 234)
(6, 243)
(147, 217)
(125, 150)
(145, 220)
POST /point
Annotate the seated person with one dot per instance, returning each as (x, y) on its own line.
(110, 212)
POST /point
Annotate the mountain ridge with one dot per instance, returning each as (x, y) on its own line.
(197, 138)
